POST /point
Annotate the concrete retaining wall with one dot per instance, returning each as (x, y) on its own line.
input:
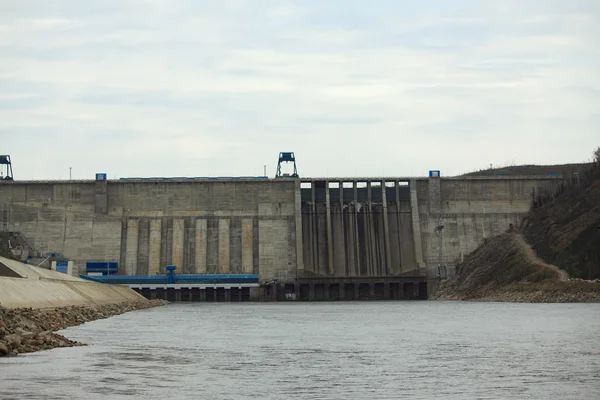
(39, 288)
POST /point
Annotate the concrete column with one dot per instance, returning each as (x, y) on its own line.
(131, 249)
(349, 239)
(356, 271)
(330, 269)
(370, 239)
(399, 222)
(339, 252)
(224, 246)
(248, 246)
(201, 236)
(299, 238)
(416, 223)
(343, 262)
(386, 232)
(178, 237)
(154, 246)
(314, 235)
(342, 291)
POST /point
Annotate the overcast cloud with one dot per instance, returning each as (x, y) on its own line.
(382, 87)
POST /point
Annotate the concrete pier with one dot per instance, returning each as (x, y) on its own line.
(330, 265)
(386, 231)
(224, 255)
(131, 252)
(178, 243)
(416, 224)
(247, 246)
(154, 246)
(201, 237)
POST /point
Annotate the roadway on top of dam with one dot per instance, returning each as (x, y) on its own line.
(285, 179)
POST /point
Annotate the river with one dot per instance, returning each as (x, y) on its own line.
(344, 350)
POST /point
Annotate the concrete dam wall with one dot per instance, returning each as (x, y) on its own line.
(280, 229)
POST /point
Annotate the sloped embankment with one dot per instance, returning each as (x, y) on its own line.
(565, 229)
(506, 269)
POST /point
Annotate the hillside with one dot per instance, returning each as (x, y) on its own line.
(560, 169)
(564, 229)
(506, 269)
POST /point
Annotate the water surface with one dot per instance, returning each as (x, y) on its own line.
(343, 350)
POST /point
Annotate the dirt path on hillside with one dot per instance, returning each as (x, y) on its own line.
(533, 258)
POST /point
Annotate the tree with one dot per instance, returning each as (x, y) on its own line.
(597, 155)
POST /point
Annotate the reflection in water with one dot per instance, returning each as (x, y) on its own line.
(378, 350)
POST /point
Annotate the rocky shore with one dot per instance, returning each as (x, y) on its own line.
(572, 291)
(25, 330)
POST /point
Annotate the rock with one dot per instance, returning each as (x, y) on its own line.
(13, 340)
(3, 349)
(26, 335)
(26, 330)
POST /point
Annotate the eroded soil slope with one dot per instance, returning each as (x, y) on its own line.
(506, 269)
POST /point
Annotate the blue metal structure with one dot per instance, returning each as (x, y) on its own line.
(104, 267)
(286, 157)
(62, 267)
(172, 278)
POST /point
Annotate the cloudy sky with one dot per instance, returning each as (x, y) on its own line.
(213, 88)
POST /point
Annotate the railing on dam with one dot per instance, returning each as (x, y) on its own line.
(179, 279)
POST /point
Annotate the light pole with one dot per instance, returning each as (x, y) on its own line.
(70, 173)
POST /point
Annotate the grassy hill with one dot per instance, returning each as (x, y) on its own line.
(560, 169)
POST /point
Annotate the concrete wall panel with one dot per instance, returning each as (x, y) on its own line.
(224, 250)
(201, 235)
(131, 251)
(178, 243)
(247, 245)
(154, 245)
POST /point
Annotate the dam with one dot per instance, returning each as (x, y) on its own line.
(327, 238)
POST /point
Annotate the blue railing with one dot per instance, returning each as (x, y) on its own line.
(178, 279)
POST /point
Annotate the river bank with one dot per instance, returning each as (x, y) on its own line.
(25, 330)
(506, 269)
(572, 291)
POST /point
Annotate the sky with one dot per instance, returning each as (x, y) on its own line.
(354, 88)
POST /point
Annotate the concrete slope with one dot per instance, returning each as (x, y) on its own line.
(32, 272)
(39, 288)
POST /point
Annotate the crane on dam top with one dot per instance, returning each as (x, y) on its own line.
(286, 157)
(5, 161)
